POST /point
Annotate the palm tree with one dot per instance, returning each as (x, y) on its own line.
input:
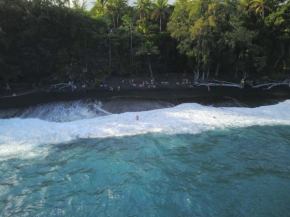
(115, 8)
(259, 7)
(100, 7)
(146, 27)
(128, 25)
(143, 8)
(148, 49)
(119, 6)
(112, 11)
(160, 11)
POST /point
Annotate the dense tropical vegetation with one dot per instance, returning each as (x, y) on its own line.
(59, 40)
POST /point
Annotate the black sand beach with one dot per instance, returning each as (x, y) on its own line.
(217, 96)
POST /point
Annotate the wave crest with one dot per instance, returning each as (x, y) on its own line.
(24, 134)
(59, 111)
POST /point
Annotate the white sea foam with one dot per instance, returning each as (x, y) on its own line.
(23, 135)
(59, 112)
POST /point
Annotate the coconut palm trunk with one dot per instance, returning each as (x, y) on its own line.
(217, 68)
(148, 49)
(150, 69)
(160, 23)
(118, 20)
(110, 50)
(131, 36)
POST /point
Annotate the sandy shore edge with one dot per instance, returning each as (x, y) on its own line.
(174, 96)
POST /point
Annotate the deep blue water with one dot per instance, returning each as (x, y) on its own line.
(236, 172)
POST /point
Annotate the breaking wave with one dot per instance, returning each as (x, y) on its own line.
(20, 136)
(59, 112)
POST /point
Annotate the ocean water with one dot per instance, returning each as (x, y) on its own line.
(189, 160)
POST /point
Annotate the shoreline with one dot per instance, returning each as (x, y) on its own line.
(256, 97)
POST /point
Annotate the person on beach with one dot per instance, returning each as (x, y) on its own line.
(242, 84)
(71, 84)
(137, 118)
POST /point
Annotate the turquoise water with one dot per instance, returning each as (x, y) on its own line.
(233, 172)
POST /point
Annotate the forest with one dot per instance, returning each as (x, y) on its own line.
(50, 41)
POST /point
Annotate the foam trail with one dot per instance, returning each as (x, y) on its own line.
(17, 135)
(59, 112)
